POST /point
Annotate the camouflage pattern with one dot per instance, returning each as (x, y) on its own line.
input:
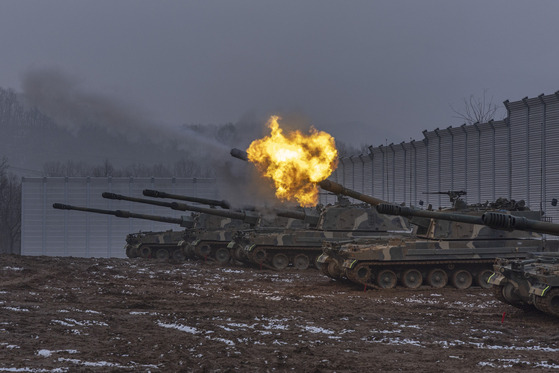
(529, 283)
(279, 248)
(160, 245)
(532, 282)
(438, 253)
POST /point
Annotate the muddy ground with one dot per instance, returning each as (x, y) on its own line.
(76, 314)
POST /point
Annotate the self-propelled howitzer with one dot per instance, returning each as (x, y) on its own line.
(451, 244)
(162, 245)
(213, 230)
(211, 243)
(300, 248)
(533, 281)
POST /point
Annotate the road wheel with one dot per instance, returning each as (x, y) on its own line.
(482, 277)
(437, 278)
(162, 254)
(129, 251)
(134, 251)
(259, 255)
(549, 303)
(239, 253)
(178, 255)
(412, 278)
(145, 252)
(360, 274)
(461, 279)
(386, 279)
(280, 261)
(333, 269)
(301, 261)
(204, 251)
(222, 255)
(507, 294)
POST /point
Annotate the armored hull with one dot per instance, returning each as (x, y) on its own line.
(411, 262)
(160, 245)
(299, 248)
(529, 283)
(450, 245)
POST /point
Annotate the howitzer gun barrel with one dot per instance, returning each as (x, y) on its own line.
(328, 185)
(336, 188)
(127, 214)
(299, 215)
(240, 154)
(390, 209)
(239, 215)
(205, 201)
(498, 220)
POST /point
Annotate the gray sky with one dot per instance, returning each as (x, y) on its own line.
(365, 71)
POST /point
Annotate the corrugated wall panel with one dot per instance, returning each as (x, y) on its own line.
(434, 169)
(487, 162)
(459, 160)
(447, 166)
(507, 159)
(400, 171)
(535, 170)
(367, 174)
(519, 143)
(420, 171)
(473, 163)
(379, 173)
(358, 181)
(551, 155)
(501, 165)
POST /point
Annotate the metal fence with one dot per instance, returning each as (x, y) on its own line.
(52, 232)
(515, 158)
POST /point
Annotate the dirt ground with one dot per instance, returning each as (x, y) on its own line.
(77, 314)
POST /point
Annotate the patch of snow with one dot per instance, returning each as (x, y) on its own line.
(277, 298)
(48, 353)
(19, 309)
(182, 328)
(226, 341)
(394, 341)
(227, 270)
(316, 330)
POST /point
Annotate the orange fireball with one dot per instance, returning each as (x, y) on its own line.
(295, 162)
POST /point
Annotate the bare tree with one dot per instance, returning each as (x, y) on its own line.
(477, 109)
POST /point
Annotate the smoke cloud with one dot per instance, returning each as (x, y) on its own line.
(64, 99)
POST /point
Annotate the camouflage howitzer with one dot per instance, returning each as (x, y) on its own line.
(279, 248)
(530, 282)
(213, 242)
(162, 245)
(213, 227)
(452, 244)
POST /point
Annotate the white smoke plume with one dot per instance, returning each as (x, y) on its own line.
(64, 99)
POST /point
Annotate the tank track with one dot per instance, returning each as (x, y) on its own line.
(281, 257)
(382, 275)
(549, 303)
(498, 292)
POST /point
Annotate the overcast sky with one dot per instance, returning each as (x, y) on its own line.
(365, 71)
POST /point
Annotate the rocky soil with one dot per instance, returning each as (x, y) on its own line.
(122, 315)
